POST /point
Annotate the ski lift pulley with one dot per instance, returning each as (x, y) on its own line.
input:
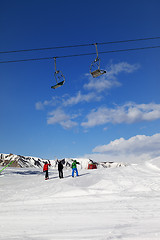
(95, 70)
(59, 77)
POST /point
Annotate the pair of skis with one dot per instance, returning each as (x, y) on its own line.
(7, 166)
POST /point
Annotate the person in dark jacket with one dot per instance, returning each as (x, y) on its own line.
(45, 169)
(60, 169)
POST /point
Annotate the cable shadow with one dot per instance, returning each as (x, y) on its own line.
(53, 177)
(80, 175)
(83, 174)
(68, 176)
(27, 173)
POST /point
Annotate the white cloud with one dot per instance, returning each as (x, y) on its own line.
(81, 98)
(138, 144)
(39, 106)
(115, 69)
(128, 113)
(109, 80)
(135, 149)
(53, 102)
(66, 100)
(60, 117)
(101, 84)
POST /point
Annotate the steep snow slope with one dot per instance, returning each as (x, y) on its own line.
(106, 203)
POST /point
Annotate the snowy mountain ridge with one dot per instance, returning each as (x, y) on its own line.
(35, 162)
(21, 161)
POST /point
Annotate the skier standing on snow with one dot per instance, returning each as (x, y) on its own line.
(74, 168)
(45, 169)
(60, 169)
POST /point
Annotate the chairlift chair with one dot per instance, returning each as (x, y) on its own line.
(59, 77)
(95, 66)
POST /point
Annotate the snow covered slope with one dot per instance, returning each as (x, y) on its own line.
(101, 204)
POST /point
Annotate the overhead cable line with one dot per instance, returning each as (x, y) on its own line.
(80, 45)
(82, 54)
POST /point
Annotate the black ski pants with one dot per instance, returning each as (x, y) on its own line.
(46, 174)
(60, 173)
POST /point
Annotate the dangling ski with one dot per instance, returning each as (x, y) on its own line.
(7, 165)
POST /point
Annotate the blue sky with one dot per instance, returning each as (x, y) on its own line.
(115, 116)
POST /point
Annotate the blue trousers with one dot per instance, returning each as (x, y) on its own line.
(74, 170)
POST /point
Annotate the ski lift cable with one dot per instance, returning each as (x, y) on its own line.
(79, 45)
(110, 51)
(82, 54)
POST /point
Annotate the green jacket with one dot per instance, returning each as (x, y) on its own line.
(74, 164)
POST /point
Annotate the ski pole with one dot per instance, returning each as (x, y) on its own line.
(7, 165)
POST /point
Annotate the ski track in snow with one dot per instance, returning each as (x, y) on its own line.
(104, 204)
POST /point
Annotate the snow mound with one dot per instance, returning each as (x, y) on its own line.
(154, 164)
(106, 203)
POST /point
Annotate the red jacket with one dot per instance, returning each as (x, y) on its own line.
(45, 168)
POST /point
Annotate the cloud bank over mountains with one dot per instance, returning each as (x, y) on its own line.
(137, 144)
(135, 149)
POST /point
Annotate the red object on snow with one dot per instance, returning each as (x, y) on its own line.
(92, 166)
